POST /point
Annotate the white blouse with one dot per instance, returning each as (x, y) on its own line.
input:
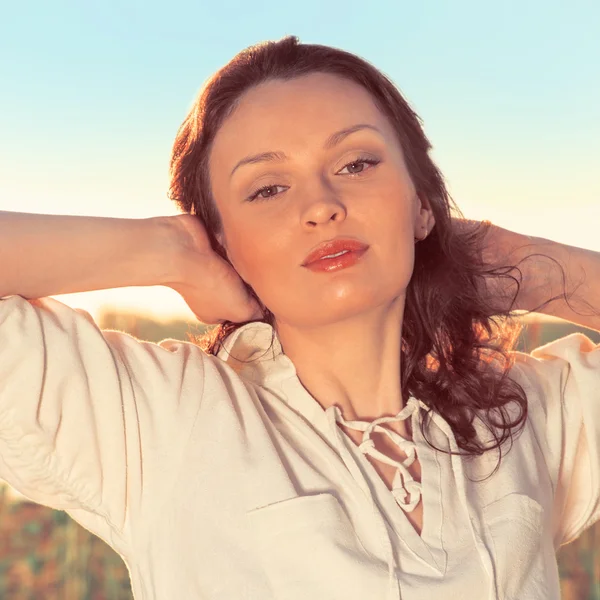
(223, 478)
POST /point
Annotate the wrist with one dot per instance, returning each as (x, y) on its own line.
(545, 268)
(164, 252)
(507, 248)
(534, 257)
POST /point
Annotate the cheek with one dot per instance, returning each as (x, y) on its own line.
(258, 256)
(391, 226)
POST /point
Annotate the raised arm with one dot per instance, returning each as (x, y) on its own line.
(44, 255)
(567, 275)
(551, 269)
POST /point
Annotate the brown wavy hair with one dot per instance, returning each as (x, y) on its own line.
(455, 343)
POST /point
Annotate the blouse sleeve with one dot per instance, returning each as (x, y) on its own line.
(92, 421)
(563, 389)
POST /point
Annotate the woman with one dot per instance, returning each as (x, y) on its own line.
(359, 427)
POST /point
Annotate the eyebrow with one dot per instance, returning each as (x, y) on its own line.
(333, 140)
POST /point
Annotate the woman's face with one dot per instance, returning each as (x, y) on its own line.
(314, 191)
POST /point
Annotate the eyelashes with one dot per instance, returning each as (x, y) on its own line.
(257, 194)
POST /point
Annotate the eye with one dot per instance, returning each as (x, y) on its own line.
(265, 192)
(358, 166)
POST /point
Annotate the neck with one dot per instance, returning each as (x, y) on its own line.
(353, 364)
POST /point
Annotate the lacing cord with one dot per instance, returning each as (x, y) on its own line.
(404, 485)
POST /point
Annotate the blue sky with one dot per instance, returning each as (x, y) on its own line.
(93, 93)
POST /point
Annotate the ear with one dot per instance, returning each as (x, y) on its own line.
(425, 220)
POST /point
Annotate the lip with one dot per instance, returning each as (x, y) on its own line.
(333, 247)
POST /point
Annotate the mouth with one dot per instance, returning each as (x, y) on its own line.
(334, 254)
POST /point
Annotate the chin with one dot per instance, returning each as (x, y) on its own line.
(327, 311)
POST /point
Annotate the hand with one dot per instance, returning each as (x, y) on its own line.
(502, 249)
(211, 287)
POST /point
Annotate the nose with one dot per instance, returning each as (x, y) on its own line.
(323, 208)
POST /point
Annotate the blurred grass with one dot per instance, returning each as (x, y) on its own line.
(46, 555)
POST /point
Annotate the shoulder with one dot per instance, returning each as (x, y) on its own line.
(549, 368)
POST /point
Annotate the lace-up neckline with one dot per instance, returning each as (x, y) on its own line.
(405, 489)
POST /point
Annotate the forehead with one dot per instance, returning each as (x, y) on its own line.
(283, 114)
